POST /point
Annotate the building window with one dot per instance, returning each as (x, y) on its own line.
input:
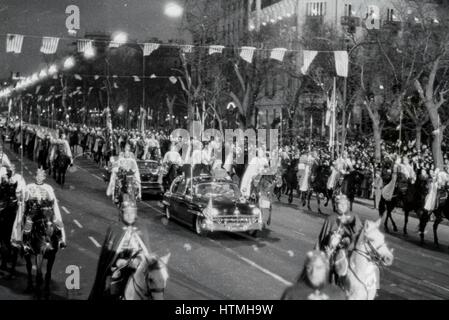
(348, 10)
(267, 3)
(390, 15)
(316, 9)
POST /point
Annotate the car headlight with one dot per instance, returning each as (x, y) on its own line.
(256, 211)
(210, 212)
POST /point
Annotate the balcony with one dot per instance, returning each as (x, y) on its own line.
(350, 21)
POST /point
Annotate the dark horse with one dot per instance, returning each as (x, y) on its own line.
(410, 197)
(8, 211)
(41, 238)
(60, 166)
(441, 212)
(318, 183)
(291, 178)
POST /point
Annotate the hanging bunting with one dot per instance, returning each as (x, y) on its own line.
(153, 76)
(84, 45)
(38, 88)
(309, 56)
(215, 49)
(116, 85)
(149, 48)
(90, 90)
(247, 54)
(49, 45)
(342, 63)
(52, 88)
(278, 54)
(136, 79)
(14, 43)
(96, 77)
(78, 77)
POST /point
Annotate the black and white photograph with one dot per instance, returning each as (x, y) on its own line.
(235, 152)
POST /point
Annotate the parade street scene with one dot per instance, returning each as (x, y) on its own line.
(224, 150)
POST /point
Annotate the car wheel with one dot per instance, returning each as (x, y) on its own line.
(167, 213)
(197, 226)
(253, 233)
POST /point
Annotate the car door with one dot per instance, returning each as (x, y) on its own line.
(174, 199)
(182, 203)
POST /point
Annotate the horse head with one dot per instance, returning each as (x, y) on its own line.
(375, 245)
(149, 279)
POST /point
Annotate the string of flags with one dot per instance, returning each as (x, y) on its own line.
(14, 43)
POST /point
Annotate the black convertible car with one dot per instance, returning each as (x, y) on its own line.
(208, 204)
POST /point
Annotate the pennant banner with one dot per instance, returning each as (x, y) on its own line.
(247, 54)
(342, 63)
(148, 48)
(215, 49)
(136, 79)
(78, 77)
(278, 54)
(49, 45)
(14, 43)
(84, 45)
(309, 56)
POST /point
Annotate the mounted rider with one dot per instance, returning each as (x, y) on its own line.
(125, 165)
(62, 146)
(42, 195)
(256, 166)
(338, 236)
(305, 165)
(340, 168)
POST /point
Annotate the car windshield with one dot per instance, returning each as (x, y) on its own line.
(225, 190)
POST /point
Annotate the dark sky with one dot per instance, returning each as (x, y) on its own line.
(141, 19)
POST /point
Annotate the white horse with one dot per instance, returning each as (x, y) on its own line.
(371, 251)
(149, 280)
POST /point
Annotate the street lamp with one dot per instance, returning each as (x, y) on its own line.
(173, 10)
(120, 38)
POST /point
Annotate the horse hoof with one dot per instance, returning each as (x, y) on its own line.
(405, 233)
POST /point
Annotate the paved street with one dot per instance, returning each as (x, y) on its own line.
(223, 266)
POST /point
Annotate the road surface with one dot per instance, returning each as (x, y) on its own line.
(222, 265)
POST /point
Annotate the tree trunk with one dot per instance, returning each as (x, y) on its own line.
(377, 141)
(437, 138)
(418, 137)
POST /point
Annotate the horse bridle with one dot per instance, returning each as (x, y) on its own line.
(373, 252)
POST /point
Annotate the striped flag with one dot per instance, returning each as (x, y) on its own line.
(14, 43)
(309, 56)
(84, 44)
(187, 48)
(148, 48)
(49, 45)
(278, 54)
(215, 49)
(247, 54)
(342, 63)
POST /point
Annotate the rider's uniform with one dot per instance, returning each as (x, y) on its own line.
(63, 146)
(41, 193)
(126, 162)
(172, 157)
(439, 180)
(304, 183)
(340, 167)
(256, 166)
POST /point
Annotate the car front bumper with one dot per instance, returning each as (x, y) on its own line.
(213, 226)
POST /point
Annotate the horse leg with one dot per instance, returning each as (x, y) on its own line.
(318, 201)
(406, 214)
(290, 195)
(39, 276)
(29, 267)
(436, 223)
(390, 215)
(422, 225)
(50, 262)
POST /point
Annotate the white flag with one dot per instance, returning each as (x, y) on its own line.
(341, 63)
(215, 49)
(115, 85)
(84, 45)
(173, 80)
(187, 48)
(96, 77)
(278, 54)
(136, 79)
(148, 48)
(14, 43)
(309, 56)
(247, 54)
(78, 77)
(49, 45)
